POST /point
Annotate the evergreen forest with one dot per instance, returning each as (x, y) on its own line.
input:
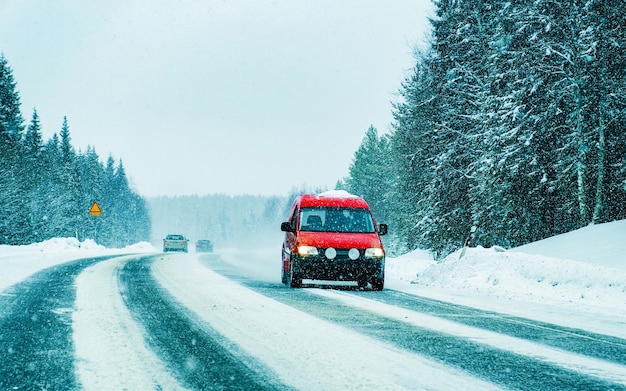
(47, 187)
(513, 121)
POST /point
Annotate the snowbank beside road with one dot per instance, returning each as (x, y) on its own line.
(524, 282)
(518, 276)
(19, 262)
(600, 244)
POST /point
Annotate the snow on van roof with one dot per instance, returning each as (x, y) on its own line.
(337, 194)
(333, 198)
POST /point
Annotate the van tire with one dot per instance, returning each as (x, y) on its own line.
(295, 280)
(283, 275)
(377, 284)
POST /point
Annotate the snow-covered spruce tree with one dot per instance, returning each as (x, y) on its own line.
(70, 204)
(32, 150)
(123, 212)
(35, 179)
(370, 175)
(91, 173)
(13, 209)
(11, 194)
(516, 199)
(462, 119)
(125, 217)
(414, 148)
(564, 134)
(11, 121)
(50, 192)
(604, 51)
(134, 221)
(549, 156)
(109, 202)
(578, 63)
(488, 109)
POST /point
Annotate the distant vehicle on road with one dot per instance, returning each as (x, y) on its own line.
(174, 242)
(204, 246)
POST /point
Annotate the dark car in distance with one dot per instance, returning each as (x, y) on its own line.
(204, 246)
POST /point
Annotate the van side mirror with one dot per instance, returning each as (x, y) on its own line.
(382, 229)
(286, 227)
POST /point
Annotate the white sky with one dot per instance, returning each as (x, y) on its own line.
(201, 97)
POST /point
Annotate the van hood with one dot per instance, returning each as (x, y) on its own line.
(339, 240)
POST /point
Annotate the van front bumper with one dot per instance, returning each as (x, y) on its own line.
(338, 269)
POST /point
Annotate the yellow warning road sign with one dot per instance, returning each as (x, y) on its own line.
(95, 210)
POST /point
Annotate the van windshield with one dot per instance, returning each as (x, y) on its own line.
(329, 219)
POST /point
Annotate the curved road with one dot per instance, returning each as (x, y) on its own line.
(189, 331)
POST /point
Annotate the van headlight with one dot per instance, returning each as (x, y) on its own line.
(307, 251)
(375, 252)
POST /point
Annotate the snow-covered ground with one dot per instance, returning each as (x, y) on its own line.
(19, 262)
(576, 279)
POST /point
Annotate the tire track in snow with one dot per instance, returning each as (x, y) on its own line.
(496, 365)
(111, 350)
(199, 357)
(604, 347)
(611, 374)
(36, 349)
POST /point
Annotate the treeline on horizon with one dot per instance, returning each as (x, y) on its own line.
(47, 188)
(241, 220)
(512, 121)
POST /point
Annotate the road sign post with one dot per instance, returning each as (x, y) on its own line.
(95, 211)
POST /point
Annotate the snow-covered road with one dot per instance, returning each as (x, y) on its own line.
(193, 321)
(306, 352)
(111, 352)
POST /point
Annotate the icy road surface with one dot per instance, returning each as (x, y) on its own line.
(199, 321)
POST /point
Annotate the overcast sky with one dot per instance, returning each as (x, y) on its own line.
(215, 96)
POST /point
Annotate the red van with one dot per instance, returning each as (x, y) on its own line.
(333, 236)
